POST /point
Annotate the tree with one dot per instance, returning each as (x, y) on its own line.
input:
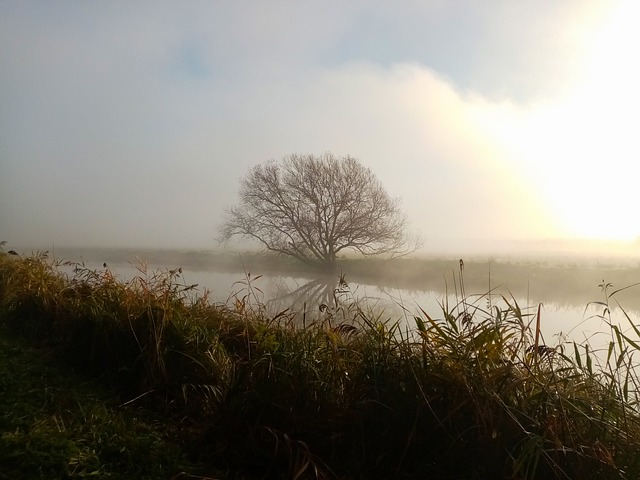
(312, 208)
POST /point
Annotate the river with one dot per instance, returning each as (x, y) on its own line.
(562, 319)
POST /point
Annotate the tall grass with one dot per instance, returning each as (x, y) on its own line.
(471, 391)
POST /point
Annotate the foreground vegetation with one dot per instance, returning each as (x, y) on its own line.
(57, 424)
(198, 390)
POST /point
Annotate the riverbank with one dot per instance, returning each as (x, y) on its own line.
(466, 394)
(56, 423)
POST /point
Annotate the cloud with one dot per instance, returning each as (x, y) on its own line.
(132, 125)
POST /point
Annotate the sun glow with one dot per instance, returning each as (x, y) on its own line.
(582, 153)
(604, 116)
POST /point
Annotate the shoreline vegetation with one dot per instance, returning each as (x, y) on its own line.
(196, 390)
(561, 279)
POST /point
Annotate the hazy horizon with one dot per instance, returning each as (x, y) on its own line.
(612, 252)
(499, 124)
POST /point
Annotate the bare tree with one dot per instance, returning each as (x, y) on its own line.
(312, 208)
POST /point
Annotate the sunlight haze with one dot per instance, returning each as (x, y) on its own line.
(129, 124)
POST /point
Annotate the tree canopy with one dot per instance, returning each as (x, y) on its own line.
(314, 207)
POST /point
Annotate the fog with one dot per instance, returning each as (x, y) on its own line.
(503, 126)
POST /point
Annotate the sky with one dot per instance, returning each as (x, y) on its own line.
(130, 124)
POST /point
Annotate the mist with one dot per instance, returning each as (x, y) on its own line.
(131, 126)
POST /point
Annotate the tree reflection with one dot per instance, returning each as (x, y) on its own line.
(322, 296)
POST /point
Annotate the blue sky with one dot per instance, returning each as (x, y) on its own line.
(130, 124)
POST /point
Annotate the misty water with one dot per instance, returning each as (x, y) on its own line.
(561, 321)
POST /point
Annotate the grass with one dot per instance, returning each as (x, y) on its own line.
(58, 424)
(471, 392)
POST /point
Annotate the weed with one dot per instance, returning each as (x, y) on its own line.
(471, 392)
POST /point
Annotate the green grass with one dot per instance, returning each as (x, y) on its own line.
(470, 392)
(58, 424)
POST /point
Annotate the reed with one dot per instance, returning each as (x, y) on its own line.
(471, 391)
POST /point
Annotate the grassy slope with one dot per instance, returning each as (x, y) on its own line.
(468, 396)
(57, 424)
